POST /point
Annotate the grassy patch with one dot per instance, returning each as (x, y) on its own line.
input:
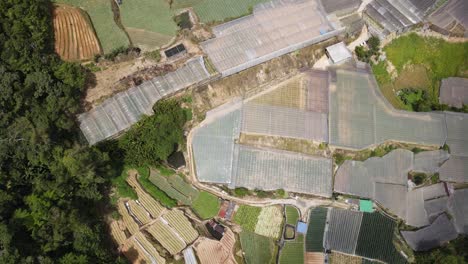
(121, 186)
(293, 251)
(154, 191)
(258, 249)
(149, 15)
(100, 12)
(292, 215)
(247, 217)
(218, 10)
(421, 63)
(206, 205)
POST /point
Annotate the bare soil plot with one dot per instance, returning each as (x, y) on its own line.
(338, 258)
(74, 36)
(211, 251)
(314, 258)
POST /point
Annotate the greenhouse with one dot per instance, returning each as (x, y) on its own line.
(459, 210)
(361, 117)
(274, 29)
(125, 108)
(385, 181)
(269, 169)
(213, 143)
(439, 232)
(342, 231)
(295, 108)
(456, 168)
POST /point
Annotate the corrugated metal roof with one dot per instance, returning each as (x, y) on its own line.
(339, 52)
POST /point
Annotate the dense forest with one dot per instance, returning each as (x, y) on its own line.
(52, 185)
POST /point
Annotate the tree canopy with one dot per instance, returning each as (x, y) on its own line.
(50, 183)
(155, 137)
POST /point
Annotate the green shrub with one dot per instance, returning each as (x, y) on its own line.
(241, 192)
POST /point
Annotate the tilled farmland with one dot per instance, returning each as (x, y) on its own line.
(74, 36)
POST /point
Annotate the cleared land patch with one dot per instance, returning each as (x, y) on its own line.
(148, 22)
(110, 35)
(74, 36)
(421, 63)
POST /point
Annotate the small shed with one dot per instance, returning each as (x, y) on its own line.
(338, 53)
(301, 227)
(366, 206)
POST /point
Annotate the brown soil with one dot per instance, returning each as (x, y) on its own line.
(74, 37)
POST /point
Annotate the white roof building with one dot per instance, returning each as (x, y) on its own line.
(338, 53)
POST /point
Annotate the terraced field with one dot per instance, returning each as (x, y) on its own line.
(128, 221)
(74, 36)
(181, 225)
(139, 212)
(100, 12)
(151, 205)
(166, 237)
(174, 186)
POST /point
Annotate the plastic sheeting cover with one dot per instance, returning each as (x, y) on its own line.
(126, 108)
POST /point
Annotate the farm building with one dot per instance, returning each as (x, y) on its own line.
(456, 168)
(124, 109)
(454, 92)
(385, 16)
(361, 117)
(385, 181)
(274, 29)
(338, 53)
(451, 18)
(354, 233)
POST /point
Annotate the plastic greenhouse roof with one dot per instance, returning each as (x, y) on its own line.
(274, 29)
(361, 117)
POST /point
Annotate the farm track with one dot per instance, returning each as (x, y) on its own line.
(74, 37)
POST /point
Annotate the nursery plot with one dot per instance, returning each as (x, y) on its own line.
(292, 215)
